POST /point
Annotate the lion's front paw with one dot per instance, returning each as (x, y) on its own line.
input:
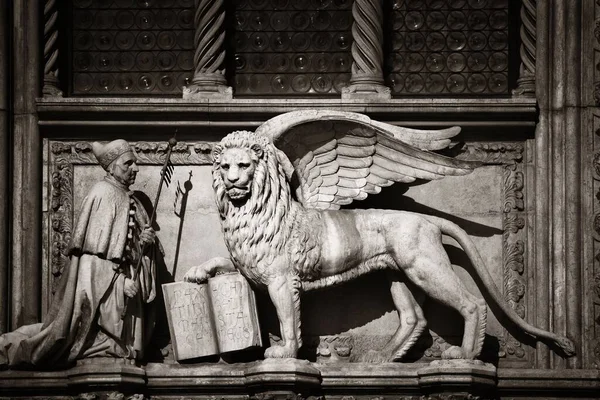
(373, 356)
(454, 353)
(280, 352)
(197, 274)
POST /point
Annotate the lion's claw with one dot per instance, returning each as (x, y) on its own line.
(196, 274)
(454, 353)
(279, 352)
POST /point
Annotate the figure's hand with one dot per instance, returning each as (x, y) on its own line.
(147, 236)
(131, 287)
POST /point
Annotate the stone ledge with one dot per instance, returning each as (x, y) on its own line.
(262, 378)
(563, 383)
(301, 379)
(101, 111)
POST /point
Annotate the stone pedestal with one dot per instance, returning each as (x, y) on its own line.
(282, 379)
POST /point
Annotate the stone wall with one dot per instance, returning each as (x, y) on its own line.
(531, 210)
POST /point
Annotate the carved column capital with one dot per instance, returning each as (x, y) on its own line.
(209, 75)
(367, 52)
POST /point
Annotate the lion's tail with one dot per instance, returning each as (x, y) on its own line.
(451, 229)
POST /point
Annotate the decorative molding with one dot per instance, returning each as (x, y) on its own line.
(438, 346)
(195, 153)
(327, 348)
(526, 81)
(108, 396)
(209, 75)
(65, 155)
(513, 189)
(367, 52)
(51, 82)
(492, 153)
(61, 217)
(513, 251)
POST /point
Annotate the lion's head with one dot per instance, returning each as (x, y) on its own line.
(239, 167)
(252, 192)
(236, 166)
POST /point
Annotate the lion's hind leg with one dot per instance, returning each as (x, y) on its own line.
(430, 269)
(412, 318)
(412, 323)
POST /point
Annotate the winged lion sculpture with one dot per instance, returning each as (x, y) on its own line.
(279, 190)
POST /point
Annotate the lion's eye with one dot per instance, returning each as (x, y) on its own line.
(225, 166)
(244, 166)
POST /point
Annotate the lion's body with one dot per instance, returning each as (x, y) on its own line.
(278, 244)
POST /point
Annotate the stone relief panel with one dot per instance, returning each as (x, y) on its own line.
(490, 206)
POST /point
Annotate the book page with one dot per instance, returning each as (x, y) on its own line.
(234, 309)
(190, 320)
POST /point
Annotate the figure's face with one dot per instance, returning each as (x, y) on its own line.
(237, 170)
(124, 169)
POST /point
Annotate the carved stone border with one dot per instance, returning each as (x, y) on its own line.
(594, 283)
(511, 156)
(65, 155)
(513, 252)
(595, 60)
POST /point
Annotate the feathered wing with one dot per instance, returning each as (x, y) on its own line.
(339, 157)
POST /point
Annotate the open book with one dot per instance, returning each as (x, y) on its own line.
(211, 318)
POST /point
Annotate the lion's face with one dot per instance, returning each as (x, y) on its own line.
(237, 166)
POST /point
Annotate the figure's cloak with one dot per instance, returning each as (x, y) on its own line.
(90, 290)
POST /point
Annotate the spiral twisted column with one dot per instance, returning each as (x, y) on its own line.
(51, 82)
(526, 81)
(367, 51)
(209, 75)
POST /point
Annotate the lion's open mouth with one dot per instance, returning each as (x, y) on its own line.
(237, 193)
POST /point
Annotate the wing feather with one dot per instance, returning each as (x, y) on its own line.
(356, 152)
(340, 157)
(352, 173)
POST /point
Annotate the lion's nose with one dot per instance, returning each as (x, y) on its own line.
(232, 176)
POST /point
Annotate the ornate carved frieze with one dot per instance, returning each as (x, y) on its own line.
(65, 155)
(492, 153)
(513, 249)
(594, 225)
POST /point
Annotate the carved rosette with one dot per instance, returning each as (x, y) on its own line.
(65, 156)
(51, 83)
(526, 81)
(209, 75)
(513, 250)
(367, 51)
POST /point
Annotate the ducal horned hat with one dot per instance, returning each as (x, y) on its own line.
(107, 153)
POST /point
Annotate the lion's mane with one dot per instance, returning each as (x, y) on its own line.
(269, 223)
